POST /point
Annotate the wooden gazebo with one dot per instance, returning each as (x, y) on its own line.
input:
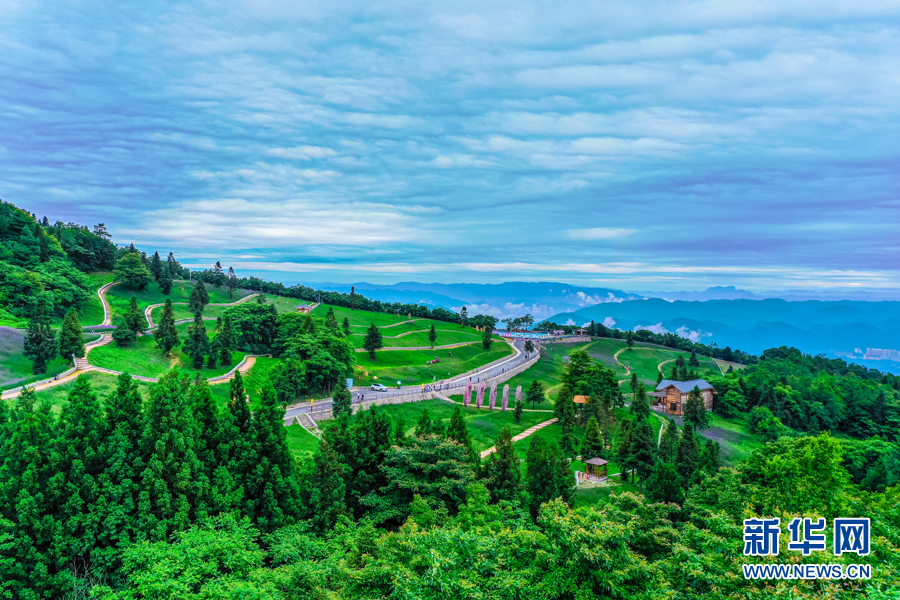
(580, 399)
(596, 467)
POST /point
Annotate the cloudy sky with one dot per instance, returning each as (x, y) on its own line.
(639, 145)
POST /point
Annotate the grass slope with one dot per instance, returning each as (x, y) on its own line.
(144, 358)
(119, 296)
(15, 367)
(102, 383)
(408, 366)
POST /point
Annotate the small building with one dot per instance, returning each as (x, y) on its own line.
(596, 467)
(304, 308)
(581, 331)
(580, 399)
(671, 396)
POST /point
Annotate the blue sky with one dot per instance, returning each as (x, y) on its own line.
(651, 145)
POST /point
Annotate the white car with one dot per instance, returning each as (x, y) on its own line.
(377, 387)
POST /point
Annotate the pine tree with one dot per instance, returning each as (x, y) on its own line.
(71, 339)
(326, 490)
(629, 339)
(197, 344)
(568, 441)
(668, 444)
(547, 475)
(341, 401)
(664, 484)
(156, 266)
(643, 451)
(165, 279)
(165, 333)
(171, 485)
(432, 335)
(593, 442)
(400, 432)
(226, 341)
(276, 490)
(688, 456)
(232, 282)
(218, 275)
(535, 393)
(464, 316)
(504, 479)
(134, 319)
(346, 326)
(206, 414)
(518, 413)
(695, 410)
(237, 452)
(373, 341)
(486, 338)
(623, 447)
(458, 430)
(693, 361)
(640, 408)
(199, 298)
(40, 344)
(424, 425)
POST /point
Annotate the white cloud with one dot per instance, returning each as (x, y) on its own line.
(569, 322)
(694, 336)
(658, 328)
(588, 300)
(609, 322)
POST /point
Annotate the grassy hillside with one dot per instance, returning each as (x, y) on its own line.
(144, 358)
(119, 296)
(102, 383)
(15, 367)
(408, 366)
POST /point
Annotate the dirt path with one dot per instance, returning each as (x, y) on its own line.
(394, 348)
(107, 313)
(392, 324)
(400, 335)
(149, 310)
(660, 365)
(521, 436)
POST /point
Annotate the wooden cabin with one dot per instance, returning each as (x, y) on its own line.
(671, 396)
(304, 308)
(596, 467)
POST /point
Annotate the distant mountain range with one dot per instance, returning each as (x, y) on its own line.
(815, 322)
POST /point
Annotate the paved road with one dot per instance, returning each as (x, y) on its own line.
(452, 385)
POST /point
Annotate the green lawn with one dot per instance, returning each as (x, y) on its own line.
(408, 366)
(301, 442)
(548, 370)
(145, 359)
(362, 318)
(102, 384)
(119, 296)
(597, 495)
(420, 338)
(15, 367)
(92, 312)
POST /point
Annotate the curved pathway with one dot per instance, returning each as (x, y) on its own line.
(665, 362)
(521, 436)
(394, 348)
(392, 324)
(107, 313)
(400, 335)
(149, 310)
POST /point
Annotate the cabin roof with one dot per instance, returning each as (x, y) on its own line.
(580, 399)
(683, 386)
(595, 461)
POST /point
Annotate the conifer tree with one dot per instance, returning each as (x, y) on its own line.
(629, 339)
(518, 412)
(40, 344)
(218, 275)
(400, 432)
(643, 451)
(226, 341)
(688, 455)
(535, 393)
(623, 447)
(165, 279)
(326, 490)
(695, 410)
(165, 334)
(423, 425)
(664, 484)
(199, 298)
(197, 344)
(693, 361)
(668, 444)
(504, 479)
(346, 326)
(458, 430)
(71, 339)
(171, 493)
(156, 266)
(486, 338)
(464, 316)
(238, 448)
(373, 340)
(134, 320)
(432, 335)
(568, 441)
(341, 401)
(593, 441)
(330, 319)
(547, 475)
(232, 282)
(276, 490)
(640, 408)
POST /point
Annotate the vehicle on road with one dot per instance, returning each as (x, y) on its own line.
(377, 387)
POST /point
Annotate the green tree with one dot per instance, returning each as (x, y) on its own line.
(568, 440)
(432, 335)
(640, 407)
(372, 341)
(664, 484)
(623, 447)
(131, 271)
(424, 426)
(518, 412)
(71, 339)
(688, 455)
(464, 316)
(643, 451)
(486, 338)
(547, 475)
(199, 298)
(232, 282)
(165, 333)
(341, 401)
(695, 410)
(165, 279)
(40, 344)
(693, 360)
(134, 319)
(731, 404)
(504, 479)
(226, 341)
(535, 393)
(156, 266)
(197, 344)
(458, 430)
(326, 490)
(346, 326)
(276, 487)
(629, 339)
(593, 441)
(668, 443)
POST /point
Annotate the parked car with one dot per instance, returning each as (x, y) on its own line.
(377, 387)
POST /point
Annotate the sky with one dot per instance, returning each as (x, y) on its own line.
(633, 145)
